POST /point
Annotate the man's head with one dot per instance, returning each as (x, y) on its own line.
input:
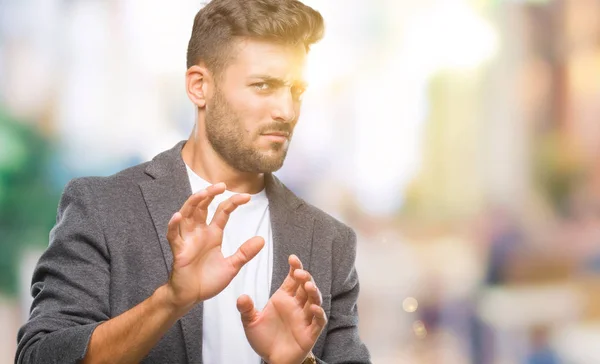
(245, 65)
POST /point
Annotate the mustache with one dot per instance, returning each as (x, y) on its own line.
(276, 127)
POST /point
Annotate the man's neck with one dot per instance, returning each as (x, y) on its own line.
(208, 164)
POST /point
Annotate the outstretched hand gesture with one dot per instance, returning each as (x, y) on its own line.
(200, 271)
(286, 330)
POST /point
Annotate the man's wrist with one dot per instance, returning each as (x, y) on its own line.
(165, 300)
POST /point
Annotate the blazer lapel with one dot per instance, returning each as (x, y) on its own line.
(292, 230)
(164, 195)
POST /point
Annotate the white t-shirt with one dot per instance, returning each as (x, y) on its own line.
(223, 338)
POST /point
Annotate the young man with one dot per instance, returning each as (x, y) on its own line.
(153, 265)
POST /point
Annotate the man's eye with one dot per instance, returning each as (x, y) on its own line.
(262, 86)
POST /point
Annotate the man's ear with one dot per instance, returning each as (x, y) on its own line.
(197, 83)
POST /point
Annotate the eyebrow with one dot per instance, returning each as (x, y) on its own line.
(278, 82)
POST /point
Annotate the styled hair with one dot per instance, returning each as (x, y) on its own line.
(219, 24)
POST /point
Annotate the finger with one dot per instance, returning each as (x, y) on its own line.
(290, 284)
(190, 204)
(201, 211)
(319, 321)
(295, 261)
(302, 277)
(173, 236)
(227, 207)
(314, 298)
(187, 210)
(245, 307)
(301, 296)
(313, 293)
(246, 252)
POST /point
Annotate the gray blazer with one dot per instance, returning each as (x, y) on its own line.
(108, 252)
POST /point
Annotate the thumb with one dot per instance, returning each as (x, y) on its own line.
(245, 306)
(246, 252)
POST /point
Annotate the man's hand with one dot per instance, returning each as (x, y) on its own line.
(200, 271)
(286, 330)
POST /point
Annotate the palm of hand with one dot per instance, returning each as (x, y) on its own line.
(281, 329)
(289, 325)
(201, 264)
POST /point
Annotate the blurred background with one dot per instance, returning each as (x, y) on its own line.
(461, 139)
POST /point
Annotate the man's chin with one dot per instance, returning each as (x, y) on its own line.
(260, 163)
(270, 162)
(270, 167)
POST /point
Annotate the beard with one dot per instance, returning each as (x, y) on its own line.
(231, 141)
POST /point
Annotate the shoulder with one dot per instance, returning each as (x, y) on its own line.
(108, 188)
(325, 219)
(326, 225)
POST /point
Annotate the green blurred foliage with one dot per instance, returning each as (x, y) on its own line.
(558, 169)
(28, 199)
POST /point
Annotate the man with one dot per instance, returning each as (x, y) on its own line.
(139, 270)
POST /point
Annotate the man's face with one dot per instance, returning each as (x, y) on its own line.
(251, 115)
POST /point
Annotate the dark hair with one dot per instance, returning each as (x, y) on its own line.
(221, 22)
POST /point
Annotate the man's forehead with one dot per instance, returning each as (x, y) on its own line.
(253, 57)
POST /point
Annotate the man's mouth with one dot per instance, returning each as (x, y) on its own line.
(277, 136)
(277, 133)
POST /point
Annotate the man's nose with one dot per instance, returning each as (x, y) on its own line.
(284, 109)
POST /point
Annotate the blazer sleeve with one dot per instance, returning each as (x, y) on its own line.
(342, 343)
(70, 284)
